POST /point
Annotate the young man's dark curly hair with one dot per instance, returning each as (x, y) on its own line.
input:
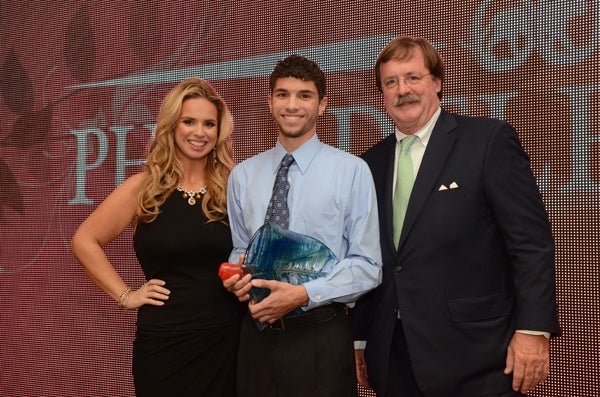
(299, 67)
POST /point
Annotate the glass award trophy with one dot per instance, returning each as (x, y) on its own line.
(275, 253)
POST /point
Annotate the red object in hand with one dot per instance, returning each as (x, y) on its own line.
(228, 270)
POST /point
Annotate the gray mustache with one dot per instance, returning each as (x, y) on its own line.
(403, 100)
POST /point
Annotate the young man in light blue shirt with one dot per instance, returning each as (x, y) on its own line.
(332, 199)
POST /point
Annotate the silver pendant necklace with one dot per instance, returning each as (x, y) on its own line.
(192, 195)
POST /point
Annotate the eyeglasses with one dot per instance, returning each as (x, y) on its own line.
(409, 79)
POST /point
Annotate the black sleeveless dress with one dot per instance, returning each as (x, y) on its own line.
(187, 347)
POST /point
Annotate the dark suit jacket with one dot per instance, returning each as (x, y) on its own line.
(474, 263)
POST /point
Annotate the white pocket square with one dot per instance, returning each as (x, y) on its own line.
(443, 187)
(453, 185)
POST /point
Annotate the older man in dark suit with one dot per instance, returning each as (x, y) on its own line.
(467, 303)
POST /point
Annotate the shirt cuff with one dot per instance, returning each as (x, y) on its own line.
(360, 344)
(315, 298)
(529, 332)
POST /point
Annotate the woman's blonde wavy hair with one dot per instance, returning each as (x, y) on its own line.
(163, 169)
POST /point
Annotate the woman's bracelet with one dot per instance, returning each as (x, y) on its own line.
(123, 297)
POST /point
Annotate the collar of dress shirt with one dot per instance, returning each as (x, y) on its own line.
(424, 133)
(303, 156)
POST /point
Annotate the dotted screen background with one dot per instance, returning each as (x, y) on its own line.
(80, 87)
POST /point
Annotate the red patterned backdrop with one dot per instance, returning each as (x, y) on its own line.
(81, 82)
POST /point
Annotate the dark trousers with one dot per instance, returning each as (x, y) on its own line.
(308, 356)
(406, 385)
(401, 381)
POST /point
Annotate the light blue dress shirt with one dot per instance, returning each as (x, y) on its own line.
(331, 198)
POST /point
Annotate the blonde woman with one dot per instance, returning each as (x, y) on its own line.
(188, 325)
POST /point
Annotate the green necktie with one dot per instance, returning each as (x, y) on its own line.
(404, 183)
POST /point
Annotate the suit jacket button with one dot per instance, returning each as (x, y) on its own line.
(398, 268)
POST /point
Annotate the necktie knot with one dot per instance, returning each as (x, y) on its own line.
(286, 161)
(407, 142)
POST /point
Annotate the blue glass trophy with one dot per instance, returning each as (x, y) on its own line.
(275, 253)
